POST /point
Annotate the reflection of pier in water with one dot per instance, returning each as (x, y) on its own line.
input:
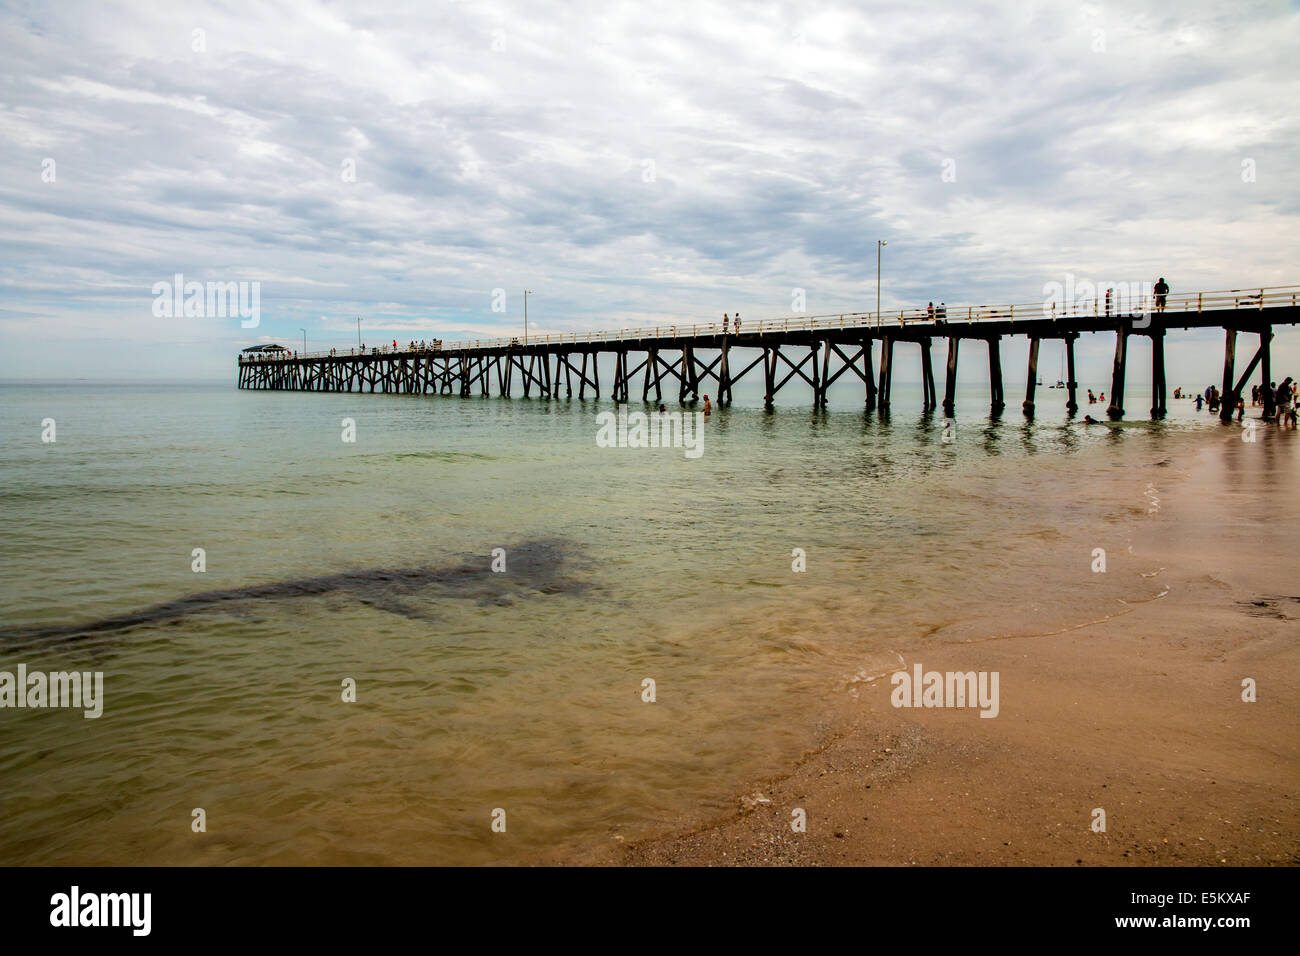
(795, 347)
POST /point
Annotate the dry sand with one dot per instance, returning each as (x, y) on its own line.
(1140, 715)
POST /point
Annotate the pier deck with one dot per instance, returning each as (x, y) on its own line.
(817, 350)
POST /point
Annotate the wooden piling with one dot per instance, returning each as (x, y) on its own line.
(868, 368)
(995, 375)
(1072, 387)
(1266, 371)
(1158, 398)
(769, 378)
(1229, 400)
(930, 400)
(819, 396)
(1028, 406)
(1115, 410)
(886, 372)
(950, 379)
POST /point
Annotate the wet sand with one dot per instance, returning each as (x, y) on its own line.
(1138, 713)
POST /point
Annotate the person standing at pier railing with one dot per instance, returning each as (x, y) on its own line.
(1162, 292)
(737, 323)
(725, 320)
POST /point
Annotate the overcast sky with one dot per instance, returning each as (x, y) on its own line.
(631, 163)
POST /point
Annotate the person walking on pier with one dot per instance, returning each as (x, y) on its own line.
(1162, 292)
(726, 319)
(737, 323)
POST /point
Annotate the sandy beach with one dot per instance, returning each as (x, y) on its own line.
(1138, 713)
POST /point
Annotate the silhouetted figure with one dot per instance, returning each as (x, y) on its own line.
(1282, 397)
(1162, 291)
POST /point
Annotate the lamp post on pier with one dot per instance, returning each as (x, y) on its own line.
(304, 342)
(880, 244)
(527, 293)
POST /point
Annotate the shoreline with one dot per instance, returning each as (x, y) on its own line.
(1138, 714)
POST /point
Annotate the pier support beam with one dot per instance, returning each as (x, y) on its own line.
(619, 393)
(1028, 406)
(819, 398)
(869, 377)
(995, 375)
(651, 373)
(1250, 370)
(927, 376)
(1229, 399)
(886, 372)
(1266, 372)
(769, 378)
(724, 375)
(1158, 397)
(690, 383)
(1115, 410)
(950, 379)
(1072, 403)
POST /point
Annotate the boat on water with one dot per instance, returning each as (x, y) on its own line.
(1060, 383)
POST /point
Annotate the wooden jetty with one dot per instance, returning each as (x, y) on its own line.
(817, 350)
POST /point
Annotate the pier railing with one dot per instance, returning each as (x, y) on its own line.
(1091, 307)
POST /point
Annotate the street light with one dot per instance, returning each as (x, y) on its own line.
(358, 331)
(304, 341)
(880, 243)
(527, 293)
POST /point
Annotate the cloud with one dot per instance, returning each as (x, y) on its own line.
(630, 164)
